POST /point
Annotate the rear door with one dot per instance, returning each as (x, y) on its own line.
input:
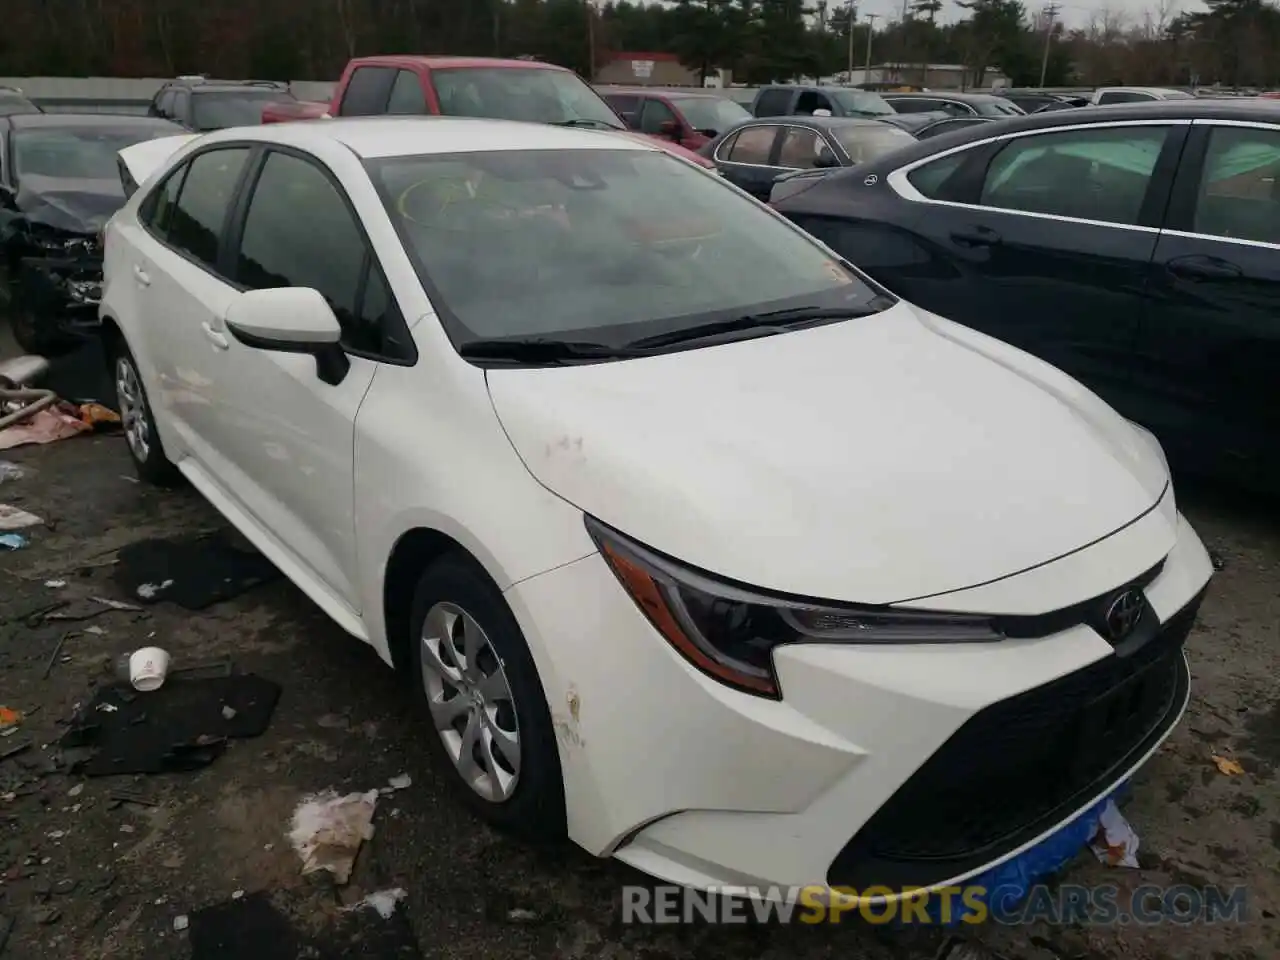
(748, 158)
(1209, 350)
(1049, 235)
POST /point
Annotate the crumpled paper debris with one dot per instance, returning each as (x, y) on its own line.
(10, 471)
(1116, 842)
(383, 901)
(12, 518)
(328, 830)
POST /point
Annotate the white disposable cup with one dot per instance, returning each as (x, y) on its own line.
(147, 668)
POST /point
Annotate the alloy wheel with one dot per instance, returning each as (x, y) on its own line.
(470, 701)
(133, 409)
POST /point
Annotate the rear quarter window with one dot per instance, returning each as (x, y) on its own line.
(931, 179)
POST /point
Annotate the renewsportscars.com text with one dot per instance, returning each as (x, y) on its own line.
(1102, 905)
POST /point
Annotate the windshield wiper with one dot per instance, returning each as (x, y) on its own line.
(538, 350)
(761, 324)
(586, 122)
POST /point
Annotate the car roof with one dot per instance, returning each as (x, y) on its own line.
(447, 62)
(657, 92)
(1242, 109)
(1141, 89)
(80, 121)
(372, 138)
(943, 95)
(201, 83)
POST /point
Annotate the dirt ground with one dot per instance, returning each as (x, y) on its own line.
(80, 879)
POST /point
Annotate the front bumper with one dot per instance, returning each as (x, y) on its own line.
(901, 766)
(62, 291)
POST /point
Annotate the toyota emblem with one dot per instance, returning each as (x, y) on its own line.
(1123, 614)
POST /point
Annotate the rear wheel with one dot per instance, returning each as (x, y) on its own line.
(137, 420)
(477, 679)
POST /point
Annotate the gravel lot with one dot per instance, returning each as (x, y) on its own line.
(344, 721)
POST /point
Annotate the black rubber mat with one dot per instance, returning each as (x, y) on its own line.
(193, 573)
(253, 928)
(182, 726)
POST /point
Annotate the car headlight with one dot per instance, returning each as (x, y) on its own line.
(729, 632)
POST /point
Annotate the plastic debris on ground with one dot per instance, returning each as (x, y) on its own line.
(1116, 842)
(12, 518)
(1012, 881)
(329, 829)
(10, 719)
(12, 541)
(10, 471)
(399, 782)
(383, 901)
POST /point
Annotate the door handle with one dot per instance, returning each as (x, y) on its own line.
(975, 237)
(1201, 268)
(141, 276)
(214, 336)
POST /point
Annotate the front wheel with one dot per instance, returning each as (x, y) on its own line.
(137, 420)
(477, 679)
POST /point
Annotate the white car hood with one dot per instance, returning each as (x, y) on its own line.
(876, 460)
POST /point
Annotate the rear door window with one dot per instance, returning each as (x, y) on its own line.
(367, 92)
(407, 98)
(200, 215)
(753, 145)
(1239, 195)
(1092, 174)
(799, 149)
(773, 103)
(156, 212)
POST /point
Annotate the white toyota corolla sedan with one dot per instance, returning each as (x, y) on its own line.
(699, 546)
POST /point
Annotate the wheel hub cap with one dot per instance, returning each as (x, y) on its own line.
(471, 701)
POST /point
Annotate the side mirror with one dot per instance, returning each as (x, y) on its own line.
(291, 320)
(825, 160)
(669, 128)
(708, 132)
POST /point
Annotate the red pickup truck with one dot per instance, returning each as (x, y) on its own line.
(468, 87)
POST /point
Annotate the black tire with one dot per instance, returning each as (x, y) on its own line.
(149, 459)
(535, 809)
(36, 336)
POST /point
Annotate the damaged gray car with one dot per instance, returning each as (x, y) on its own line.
(59, 184)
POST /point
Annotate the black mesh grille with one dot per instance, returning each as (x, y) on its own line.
(1020, 765)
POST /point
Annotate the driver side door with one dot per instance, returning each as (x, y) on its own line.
(285, 436)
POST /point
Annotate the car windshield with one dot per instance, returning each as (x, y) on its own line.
(600, 245)
(537, 94)
(871, 141)
(711, 113)
(240, 108)
(69, 154)
(861, 103)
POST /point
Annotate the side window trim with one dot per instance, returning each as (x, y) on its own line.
(217, 272)
(898, 182)
(235, 230)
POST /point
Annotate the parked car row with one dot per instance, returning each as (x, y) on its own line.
(616, 464)
(1135, 247)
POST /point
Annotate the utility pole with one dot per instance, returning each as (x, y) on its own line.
(853, 15)
(1050, 14)
(871, 29)
(591, 38)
